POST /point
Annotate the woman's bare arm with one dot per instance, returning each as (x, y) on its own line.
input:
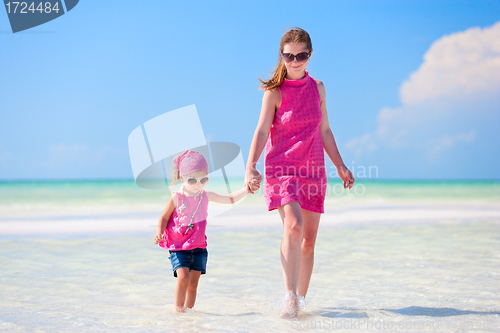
(329, 143)
(270, 103)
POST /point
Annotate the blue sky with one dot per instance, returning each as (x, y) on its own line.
(412, 86)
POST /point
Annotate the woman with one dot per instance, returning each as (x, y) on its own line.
(293, 125)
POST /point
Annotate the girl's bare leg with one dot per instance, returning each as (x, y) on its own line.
(311, 224)
(183, 281)
(293, 226)
(192, 288)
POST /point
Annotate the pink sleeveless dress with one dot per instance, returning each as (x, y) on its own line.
(294, 158)
(177, 235)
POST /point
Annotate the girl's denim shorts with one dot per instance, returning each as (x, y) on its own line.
(195, 259)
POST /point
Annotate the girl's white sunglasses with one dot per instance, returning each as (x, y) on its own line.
(194, 181)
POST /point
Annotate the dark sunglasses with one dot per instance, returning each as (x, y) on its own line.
(302, 56)
(194, 181)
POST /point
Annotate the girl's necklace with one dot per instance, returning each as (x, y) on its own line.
(182, 207)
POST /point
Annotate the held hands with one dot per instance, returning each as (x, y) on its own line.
(254, 185)
(158, 238)
(252, 180)
(346, 176)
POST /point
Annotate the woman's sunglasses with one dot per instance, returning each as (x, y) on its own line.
(194, 181)
(302, 56)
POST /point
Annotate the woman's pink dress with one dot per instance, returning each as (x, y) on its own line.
(294, 159)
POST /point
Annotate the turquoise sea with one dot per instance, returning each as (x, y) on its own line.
(390, 256)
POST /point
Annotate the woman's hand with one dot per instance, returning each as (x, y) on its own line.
(346, 176)
(254, 185)
(158, 238)
(252, 180)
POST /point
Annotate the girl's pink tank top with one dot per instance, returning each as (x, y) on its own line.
(177, 235)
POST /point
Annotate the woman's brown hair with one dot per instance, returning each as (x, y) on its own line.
(294, 35)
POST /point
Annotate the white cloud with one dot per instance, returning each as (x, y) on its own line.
(461, 63)
(63, 154)
(450, 101)
(362, 145)
(438, 145)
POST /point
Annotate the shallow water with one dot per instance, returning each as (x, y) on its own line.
(393, 256)
(441, 276)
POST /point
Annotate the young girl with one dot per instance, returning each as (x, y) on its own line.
(181, 228)
(293, 126)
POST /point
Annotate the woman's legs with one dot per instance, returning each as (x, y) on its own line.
(311, 224)
(293, 226)
(300, 228)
